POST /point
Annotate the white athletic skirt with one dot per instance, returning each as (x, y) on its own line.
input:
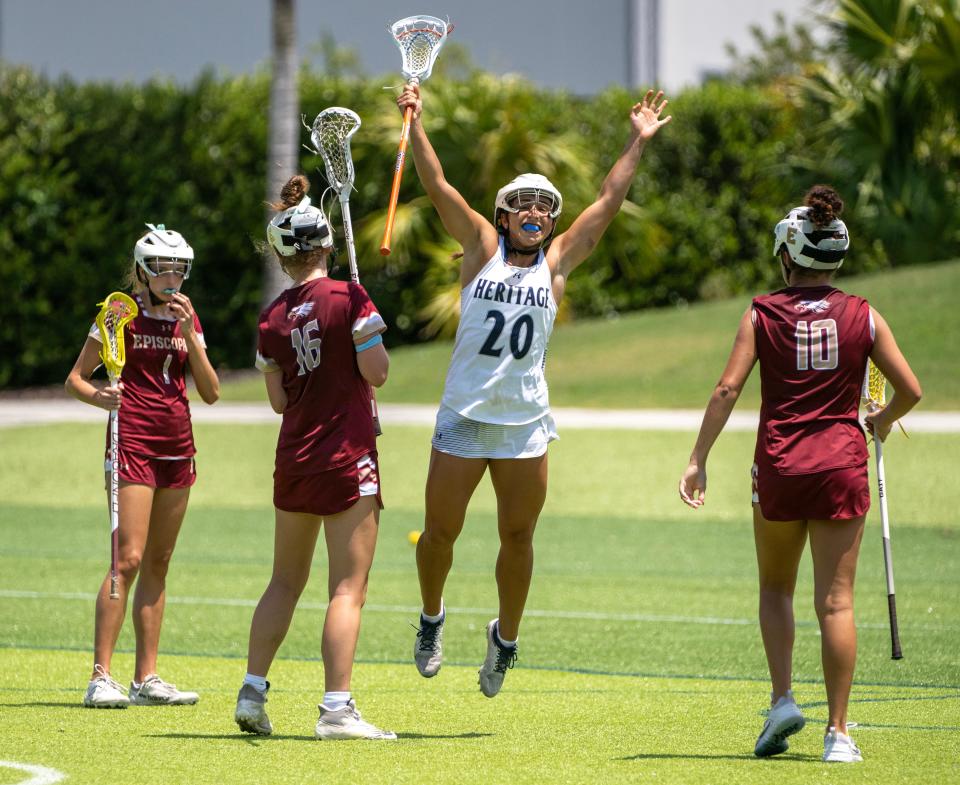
(454, 434)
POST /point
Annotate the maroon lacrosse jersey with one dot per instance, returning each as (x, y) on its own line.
(813, 344)
(154, 416)
(307, 334)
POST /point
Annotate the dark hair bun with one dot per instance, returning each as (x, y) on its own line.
(293, 192)
(825, 204)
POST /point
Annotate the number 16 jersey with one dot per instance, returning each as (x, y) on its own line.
(496, 374)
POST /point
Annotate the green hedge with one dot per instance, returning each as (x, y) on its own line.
(82, 167)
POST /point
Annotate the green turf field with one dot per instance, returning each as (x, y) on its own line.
(672, 357)
(641, 660)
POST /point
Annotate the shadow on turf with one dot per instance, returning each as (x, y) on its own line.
(281, 737)
(48, 705)
(663, 756)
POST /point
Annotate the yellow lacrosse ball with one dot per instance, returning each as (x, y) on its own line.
(413, 537)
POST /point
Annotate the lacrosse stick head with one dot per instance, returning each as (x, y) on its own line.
(330, 136)
(419, 39)
(116, 311)
(874, 387)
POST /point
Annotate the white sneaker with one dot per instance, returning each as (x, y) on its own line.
(156, 692)
(346, 723)
(251, 712)
(784, 719)
(428, 647)
(840, 748)
(499, 659)
(104, 693)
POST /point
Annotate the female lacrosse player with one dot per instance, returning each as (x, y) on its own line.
(810, 465)
(495, 412)
(320, 348)
(156, 467)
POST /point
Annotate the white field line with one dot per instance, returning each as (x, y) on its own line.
(656, 618)
(41, 775)
(21, 413)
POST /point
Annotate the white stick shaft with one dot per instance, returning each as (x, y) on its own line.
(348, 234)
(114, 474)
(884, 519)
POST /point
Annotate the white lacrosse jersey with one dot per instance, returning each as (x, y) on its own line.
(496, 374)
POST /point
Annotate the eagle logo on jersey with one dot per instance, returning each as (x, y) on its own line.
(815, 306)
(303, 309)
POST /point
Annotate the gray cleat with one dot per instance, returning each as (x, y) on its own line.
(499, 659)
(428, 647)
(251, 713)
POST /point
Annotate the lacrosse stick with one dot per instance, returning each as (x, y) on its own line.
(115, 313)
(874, 391)
(419, 39)
(330, 135)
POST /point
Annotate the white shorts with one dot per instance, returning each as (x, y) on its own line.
(454, 434)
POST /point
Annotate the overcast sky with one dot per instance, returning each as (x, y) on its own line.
(572, 44)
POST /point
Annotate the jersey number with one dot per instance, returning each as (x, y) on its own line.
(521, 335)
(307, 346)
(817, 345)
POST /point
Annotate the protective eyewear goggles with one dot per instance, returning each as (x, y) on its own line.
(532, 199)
(159, 266)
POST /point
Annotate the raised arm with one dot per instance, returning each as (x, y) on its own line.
(474, 232)
(574, 245)
(204, 376)
(743, 356)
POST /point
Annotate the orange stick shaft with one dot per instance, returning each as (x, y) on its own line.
(397, 177)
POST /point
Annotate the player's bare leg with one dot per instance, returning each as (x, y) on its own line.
(136, 502)
(351, 538)
(451, 482)
(835, 546)
(779, 546)
(521, 488)
(295, 537)
(149, 598)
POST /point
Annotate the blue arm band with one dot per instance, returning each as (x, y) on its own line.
(369, 344)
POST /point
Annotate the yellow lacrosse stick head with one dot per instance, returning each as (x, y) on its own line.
(116, 311)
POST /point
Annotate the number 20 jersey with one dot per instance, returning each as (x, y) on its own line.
(813, 344)
(496, 374)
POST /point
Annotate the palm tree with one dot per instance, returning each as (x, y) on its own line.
(284, 127)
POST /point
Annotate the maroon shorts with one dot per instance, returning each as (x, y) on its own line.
(835, 495)
(329, 492)
(155, 472)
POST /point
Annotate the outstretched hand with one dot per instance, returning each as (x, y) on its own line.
(645, 116)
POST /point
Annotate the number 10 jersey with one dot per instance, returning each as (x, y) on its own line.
(496, 374)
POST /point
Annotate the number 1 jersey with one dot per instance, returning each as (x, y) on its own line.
(813, 344)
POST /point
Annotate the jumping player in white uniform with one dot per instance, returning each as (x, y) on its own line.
(495, 411)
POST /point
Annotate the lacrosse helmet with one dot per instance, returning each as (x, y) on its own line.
(162, 243)
(303, 227)
(526, 185)
(816, 247)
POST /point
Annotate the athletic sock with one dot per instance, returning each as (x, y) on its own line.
(335, 700)
(259, 683)
(434, 619)
(502, 642)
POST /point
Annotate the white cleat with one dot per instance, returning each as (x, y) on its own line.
(784, 719)
(346, 723)
(499, 659)
(840, 748)
(428, 647)
(251, 712)
(105, 693)
(156, 692)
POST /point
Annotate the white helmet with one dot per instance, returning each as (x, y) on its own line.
(534, 185)
(162, 243)
(809, 245)
(303, 227)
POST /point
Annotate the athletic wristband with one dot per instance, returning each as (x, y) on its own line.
(369, 344)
